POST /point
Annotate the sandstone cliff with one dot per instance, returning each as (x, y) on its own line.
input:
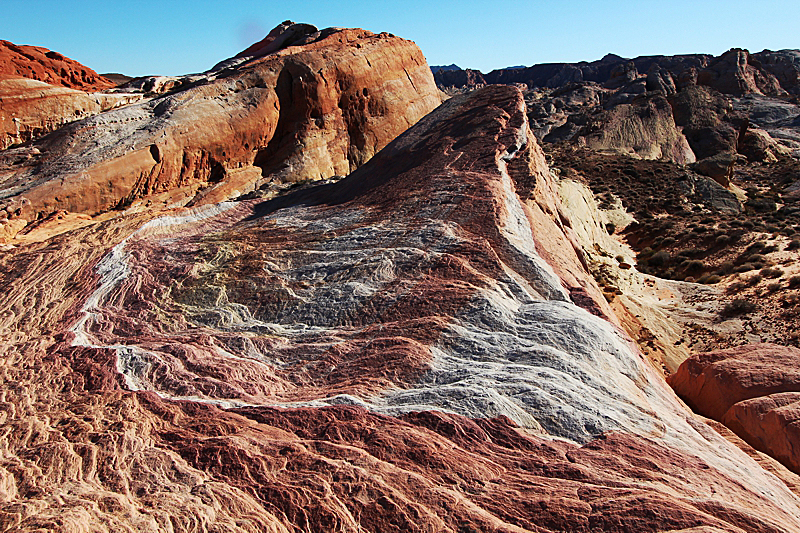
(313, 109)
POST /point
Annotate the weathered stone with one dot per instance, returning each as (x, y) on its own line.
(754, 390)
(712, 382)
(737, 72)
(717, 167)
(302, 113)
(37, 63)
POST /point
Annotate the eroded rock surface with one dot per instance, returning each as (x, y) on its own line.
(41, 90)
(754, 390)
(37, 63)
(303, 112)
(416, 347)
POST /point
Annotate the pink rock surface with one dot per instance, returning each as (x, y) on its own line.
(393, 352)
(712, 382)
(301, 113)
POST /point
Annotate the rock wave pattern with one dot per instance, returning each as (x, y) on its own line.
(391, 352)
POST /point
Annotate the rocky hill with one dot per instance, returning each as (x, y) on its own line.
(306, 107)
(296, 293)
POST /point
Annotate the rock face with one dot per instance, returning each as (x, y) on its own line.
(36, 63)
(754, 390)
(616, 105)
(304, 112)
(30, 108)
(41, 90)
(417, 347)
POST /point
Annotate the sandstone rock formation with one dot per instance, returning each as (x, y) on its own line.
(712, 99)
(418, 347)
(36, 63)
(754, 390)
(41, 90)
(304, 112)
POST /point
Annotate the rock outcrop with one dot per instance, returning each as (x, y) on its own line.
(41, 90)
(37, 63)
(754, 390)
(417, 347)
(304, 112)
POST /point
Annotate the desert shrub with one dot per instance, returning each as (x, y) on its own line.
(736, 286)
(725, 268)
(722, 240)
(771, 272)
(660, 258)
(709, 279)
(739, 306)
(794, 244)
(689, 252)
(695, 265)
(668, 241)
(756, 258)
(794, 282)
(744, 267)
(754, 280)
(774, 286)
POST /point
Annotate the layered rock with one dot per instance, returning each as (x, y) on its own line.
(41, 90)
(305, 112)
(753, 389)
(30, 109)
(417, 347)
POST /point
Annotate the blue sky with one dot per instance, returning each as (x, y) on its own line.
(139, 37)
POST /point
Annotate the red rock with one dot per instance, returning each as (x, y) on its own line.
(769, 423)
(301, 113)
(37, 63)
(754, 390)
(434, 275)
(41, 90)
(712, 382)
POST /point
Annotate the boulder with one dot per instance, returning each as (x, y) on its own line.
(754, 390)
(717, 167)
(712, 382)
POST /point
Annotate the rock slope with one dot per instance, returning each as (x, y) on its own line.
(417, 347)
(41, 90)
(317, 107)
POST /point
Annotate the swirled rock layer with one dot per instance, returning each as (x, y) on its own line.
(399, 351)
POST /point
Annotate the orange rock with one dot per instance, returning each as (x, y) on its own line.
(754, 390)
(712, 382)
(301, 113)
(37, 63)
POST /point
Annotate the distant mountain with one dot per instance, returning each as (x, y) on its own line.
(438, 68)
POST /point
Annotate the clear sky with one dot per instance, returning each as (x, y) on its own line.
(139, 37)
